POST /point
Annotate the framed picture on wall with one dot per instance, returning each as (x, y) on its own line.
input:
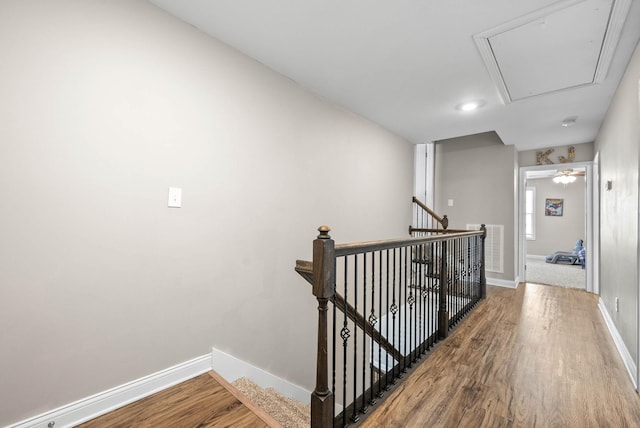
(553, 207)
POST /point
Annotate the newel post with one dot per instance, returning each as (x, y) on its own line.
(483, 278)
(323, 288)
(443, 315)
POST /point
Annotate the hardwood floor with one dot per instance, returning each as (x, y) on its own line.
(536, 356)
(199, 402)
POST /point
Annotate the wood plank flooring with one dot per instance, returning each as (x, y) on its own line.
(536, 356)
(199, 402)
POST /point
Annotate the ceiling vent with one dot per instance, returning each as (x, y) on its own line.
(566, 45)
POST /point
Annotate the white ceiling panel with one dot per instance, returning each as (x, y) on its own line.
(557, 51)
(554, 52)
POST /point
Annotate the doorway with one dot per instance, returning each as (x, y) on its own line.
(561, 215)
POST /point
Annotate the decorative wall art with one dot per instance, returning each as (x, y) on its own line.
(542, 158)
(553, 207)
(571, 156)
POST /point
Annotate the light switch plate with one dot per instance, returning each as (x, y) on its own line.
(175, 197)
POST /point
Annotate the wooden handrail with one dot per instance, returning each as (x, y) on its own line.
(444, 221)
(364, 247)
(427, 209)
(305, 269)
(429, 230)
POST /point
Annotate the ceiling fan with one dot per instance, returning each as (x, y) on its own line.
(567, 176)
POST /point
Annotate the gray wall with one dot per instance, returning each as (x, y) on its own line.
(105, 104)
(479, 173)
(558, 233)
(583, 153)
(617, 144)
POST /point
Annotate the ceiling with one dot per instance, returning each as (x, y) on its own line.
(408, 65)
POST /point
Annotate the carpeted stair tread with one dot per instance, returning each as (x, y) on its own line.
(288, 412)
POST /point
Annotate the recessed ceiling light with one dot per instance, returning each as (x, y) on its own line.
(569, 121)
(470, 105)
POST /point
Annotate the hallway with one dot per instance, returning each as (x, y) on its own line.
(535, 356)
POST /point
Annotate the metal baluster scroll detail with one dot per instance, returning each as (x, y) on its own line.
(345, 334)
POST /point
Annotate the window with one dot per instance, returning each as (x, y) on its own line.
(530, 214)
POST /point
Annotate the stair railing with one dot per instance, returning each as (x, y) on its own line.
(381, 306)
(426, 221)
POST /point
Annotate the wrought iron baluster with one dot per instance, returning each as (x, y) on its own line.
(479, 261)
(411, 300)
(470, 262)
(419, 306)
(473, 263)
(404, 305)
(461, 262)
(466, 268)
(386, 354)
(354, 414)
(435, 295)
(449, 287)
(415, 316)
(477, 264)
(427, 307)
(334, 351)
(420, 285)
(443, 317)
(394, 311)
(424, 294)
(363, 409)
(380, 314)
(451, 265)
(433, 288)
(436, 308)
(430, 288)
(470, 245)
(345, 333)
(372, 321)
(454, 278)
(461, 285)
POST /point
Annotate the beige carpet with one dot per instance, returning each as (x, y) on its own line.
(287, 411)
(564, 275)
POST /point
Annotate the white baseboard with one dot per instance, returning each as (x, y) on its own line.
(106, 401)
(536, 257)
(617, 339)
(232, 368)
(503, 282)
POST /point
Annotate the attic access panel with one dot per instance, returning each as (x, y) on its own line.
(566, 45)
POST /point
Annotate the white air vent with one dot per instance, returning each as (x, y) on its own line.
(493, 247)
